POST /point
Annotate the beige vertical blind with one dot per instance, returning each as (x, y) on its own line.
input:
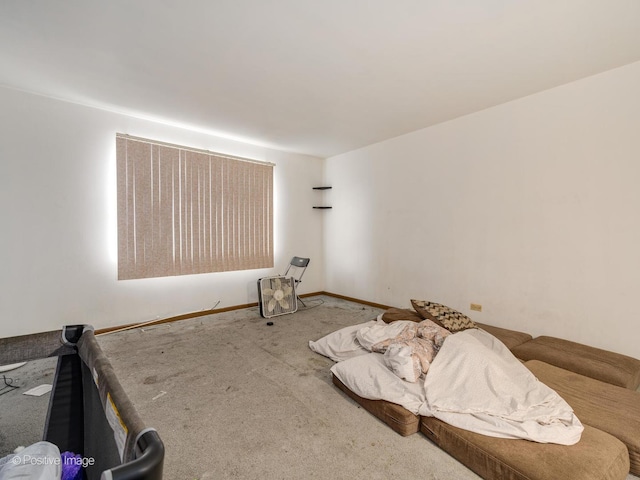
(185, 211)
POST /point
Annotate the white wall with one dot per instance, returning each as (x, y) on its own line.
(58, 225)
(531, 209)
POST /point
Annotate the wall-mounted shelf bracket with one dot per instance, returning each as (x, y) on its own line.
(322, 207)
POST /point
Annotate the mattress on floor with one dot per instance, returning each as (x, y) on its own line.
(397, 417)
(612, 409)
(597, 456)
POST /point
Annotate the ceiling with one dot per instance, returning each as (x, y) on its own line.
(309, 76)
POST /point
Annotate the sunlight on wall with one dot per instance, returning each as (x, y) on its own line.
(112, 206)
(277, 249)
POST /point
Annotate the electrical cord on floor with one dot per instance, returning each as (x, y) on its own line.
(8, 385)
(309, 307)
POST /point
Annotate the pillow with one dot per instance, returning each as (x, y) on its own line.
(368, 377)
(395, 314)
(341, 344)
(444, 316)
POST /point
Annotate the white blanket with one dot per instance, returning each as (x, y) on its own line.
(476, 383)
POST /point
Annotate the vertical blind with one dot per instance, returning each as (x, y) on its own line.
(185, 211)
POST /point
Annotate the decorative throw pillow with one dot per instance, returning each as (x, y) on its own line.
(447, 317)
(418, 306)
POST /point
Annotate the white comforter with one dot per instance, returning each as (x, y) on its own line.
(476, 383)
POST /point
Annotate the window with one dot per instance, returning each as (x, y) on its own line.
(184, 211)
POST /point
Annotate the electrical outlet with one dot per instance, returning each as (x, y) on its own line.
(476, 307)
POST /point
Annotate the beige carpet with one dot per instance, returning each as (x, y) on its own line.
(22, 417)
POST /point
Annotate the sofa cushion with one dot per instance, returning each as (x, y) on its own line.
(607, 407)
(603, 365)
(395, 314)
(597, 456)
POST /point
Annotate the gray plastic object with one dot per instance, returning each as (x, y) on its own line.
(40, 461)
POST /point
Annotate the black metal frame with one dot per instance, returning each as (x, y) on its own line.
(302, 263)
(76, 419)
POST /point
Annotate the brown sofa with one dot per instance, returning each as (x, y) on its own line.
(601, 393)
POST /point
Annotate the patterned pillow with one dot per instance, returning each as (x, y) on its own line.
(447, 317)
